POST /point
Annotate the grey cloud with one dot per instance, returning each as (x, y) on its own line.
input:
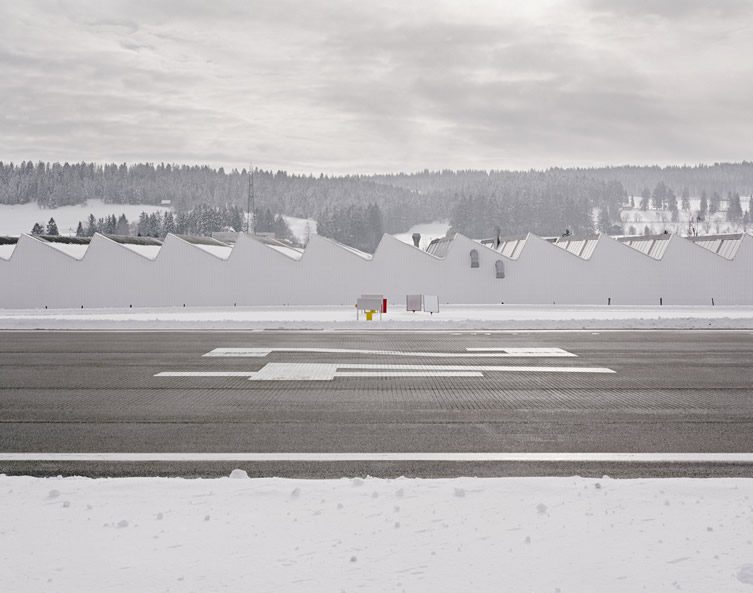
(548, 89)
(134, 46)
(356, 86)
(673, 9)
(114, 25)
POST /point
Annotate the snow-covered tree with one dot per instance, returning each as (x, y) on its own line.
(645, 198)
(52, 227)
(236, 219)
(704, 206)
(734, 208)
(91, 226)
(685, 199)
(604, 222)
(715, 203)
(122, 227)
(168, 224)
(111, 224)
(142, 228)
(659, 196)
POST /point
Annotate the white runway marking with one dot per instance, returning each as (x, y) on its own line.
(314, 371)
(327, 371)
(279, 371)
(471, 352)
(206, 374)
(481, 368)
(410, 374)
(745, 458)
(524, 352)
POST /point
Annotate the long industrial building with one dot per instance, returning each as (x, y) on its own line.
(110, 271)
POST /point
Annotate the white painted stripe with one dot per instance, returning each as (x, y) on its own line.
(527, 352)
(405, 331)
(206, 374)
(409, 374)
(471, 352)
(238, 352)
(291, 371)
(482, 368)
(746, 458)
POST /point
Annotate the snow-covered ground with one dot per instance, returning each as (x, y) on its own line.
(344, 317)
(20, 218)
(658, 221)
(464, 534)
(429, 231)
(302, 228)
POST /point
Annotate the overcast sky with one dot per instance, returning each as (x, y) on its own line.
(343, 87)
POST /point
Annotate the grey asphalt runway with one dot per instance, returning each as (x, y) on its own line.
(96, 392)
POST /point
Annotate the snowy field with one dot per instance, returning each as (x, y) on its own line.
(20, 218)
(429, 231)
(465, 534)
(658, 221)
(500, 317)
(302, 228)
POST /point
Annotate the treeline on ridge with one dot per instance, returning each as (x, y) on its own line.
(477, 203)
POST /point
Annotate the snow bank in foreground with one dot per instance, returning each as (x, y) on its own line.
(465, 534)
(344, 317)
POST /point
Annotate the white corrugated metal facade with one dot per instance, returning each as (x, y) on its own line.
(112, 272)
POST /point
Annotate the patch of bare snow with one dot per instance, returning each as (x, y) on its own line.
(428, 231)
(493, 317)
(302, 228)
(159, 534)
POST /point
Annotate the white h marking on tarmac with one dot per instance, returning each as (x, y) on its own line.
(327, 371)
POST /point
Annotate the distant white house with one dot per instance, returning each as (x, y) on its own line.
(121, 271)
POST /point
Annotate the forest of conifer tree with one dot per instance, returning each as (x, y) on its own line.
(477, 203)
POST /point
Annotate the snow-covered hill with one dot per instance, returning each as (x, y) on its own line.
(634, 220)
(19, 218)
